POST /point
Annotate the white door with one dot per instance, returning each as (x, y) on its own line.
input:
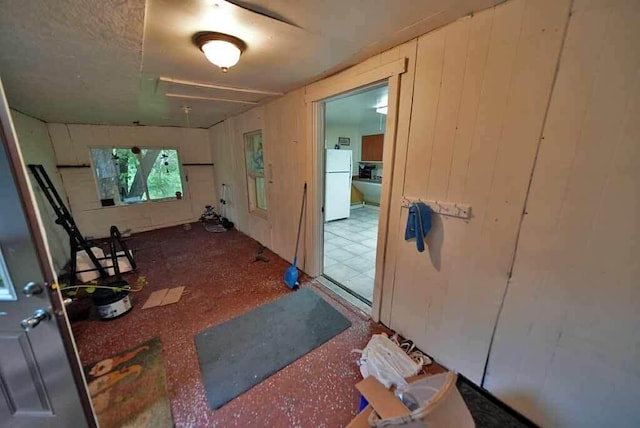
(37, 384)
(337, 195)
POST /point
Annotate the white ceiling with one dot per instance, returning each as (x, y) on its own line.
(358, 110)
(98, 61)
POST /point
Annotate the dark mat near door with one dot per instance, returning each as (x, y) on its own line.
(487, 410)
(240, 353)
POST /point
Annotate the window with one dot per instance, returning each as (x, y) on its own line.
(7, 292)
(128, 176)
(257, 188)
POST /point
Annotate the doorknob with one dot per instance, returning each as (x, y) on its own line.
(32, 288)
(33, 321)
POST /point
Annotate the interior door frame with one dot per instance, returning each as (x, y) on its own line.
(34, 223)
(315, 97)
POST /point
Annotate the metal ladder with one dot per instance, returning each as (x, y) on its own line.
(76, 240)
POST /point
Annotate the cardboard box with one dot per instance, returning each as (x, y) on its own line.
(446, 409)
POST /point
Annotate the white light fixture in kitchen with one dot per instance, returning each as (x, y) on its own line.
(382, 104)
(220, 49)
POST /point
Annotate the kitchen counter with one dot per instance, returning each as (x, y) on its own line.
(367, 180)
(370, 188)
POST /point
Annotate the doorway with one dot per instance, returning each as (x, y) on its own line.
(354, 128)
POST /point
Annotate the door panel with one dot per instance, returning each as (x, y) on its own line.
(37, 384)
(20, 380)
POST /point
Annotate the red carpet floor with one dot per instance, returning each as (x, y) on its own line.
(222, 283)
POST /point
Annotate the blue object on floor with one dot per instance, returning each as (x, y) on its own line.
(418, 223)
(291, 274)
(363, 403)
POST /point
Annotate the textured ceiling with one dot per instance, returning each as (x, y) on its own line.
(72, 61)
(98, 61)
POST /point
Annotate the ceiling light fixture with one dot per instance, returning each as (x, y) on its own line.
(220, 49)
(382, 104)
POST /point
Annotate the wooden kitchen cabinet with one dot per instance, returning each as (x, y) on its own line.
(372, 147)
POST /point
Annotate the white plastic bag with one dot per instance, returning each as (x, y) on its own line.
(387, 362)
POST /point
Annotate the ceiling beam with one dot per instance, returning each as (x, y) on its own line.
(196, 97)
(221, 87)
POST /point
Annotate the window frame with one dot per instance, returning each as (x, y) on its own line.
(146, 188)
(251, 178)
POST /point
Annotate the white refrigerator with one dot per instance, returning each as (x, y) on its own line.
(337, 184)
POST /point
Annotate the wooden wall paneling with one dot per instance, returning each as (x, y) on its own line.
(456, 39)
(36, 148)
(201, 186)
(570, 99)
(64, 150)
(426, 96)
(297, 177)
(488, 273)
(82, 186)
(238, 183)
(383, 294)
(284, 127)
(456, 289)
(474, 72)
(302, 162)
(123, 136)
(83, 136)
(409, 293)
(444, 285)
(583, 46)
(464, 272)
(119, 136)
(390, 144)
(217, 141)
(466, 276)
(171, 212)
(577, 258)
(274, 136)
(193, 153)
(542, 32)
(226, 175)
(603, 121)
(96, 223)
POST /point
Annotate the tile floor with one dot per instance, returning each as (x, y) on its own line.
(350, 250)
